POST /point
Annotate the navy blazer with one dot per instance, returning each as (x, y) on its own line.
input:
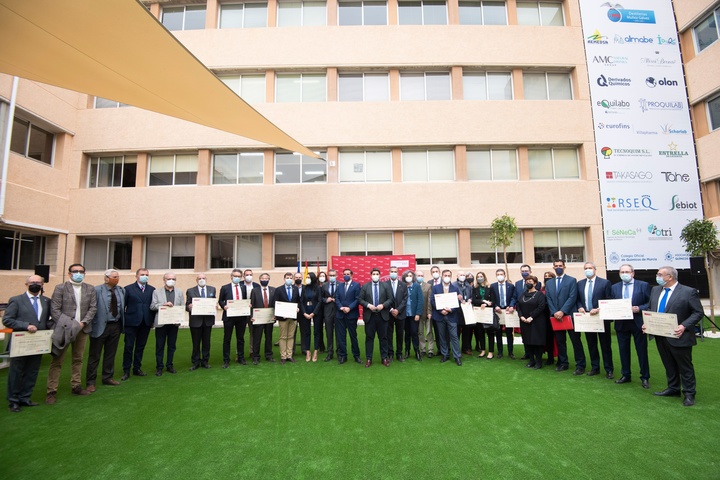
(602, 290)
(310, 295)
(347, 299)
(385, 297)
(400, 297)
(640, 298)
(451, 317)
(227, 292)
(137, 306)
(256, 297)
(563, 300)
(509, 294)
(685, 303)
(329, 310)
(282, 296)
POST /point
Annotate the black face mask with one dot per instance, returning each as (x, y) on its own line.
(529, 286)
(34, 288)
(298, 281)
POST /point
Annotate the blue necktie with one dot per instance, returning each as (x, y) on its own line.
(375, 294)
(202, 292)
(502, 296)
(35, 306)
(626, 290)
(289, 295)
(663, 300)
(589, 296)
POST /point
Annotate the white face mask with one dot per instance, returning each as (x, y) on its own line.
(501, 278)
(170, 283)
(625, 277)
(308, 281)
(248, 278)
(589, 272)
(408, 279)
(447, 279)
(322, 278)
(375, 278)
(436, 275)
(461, 278)
(201, 282)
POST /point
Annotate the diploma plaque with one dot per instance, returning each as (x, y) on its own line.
(484, 315)
(510, 320)
(660, 324)
(263, 315)
(620, 309)
(446, 301)
(286, 310)
(469, 313)
(26, 343)
(584, 322)
(170, 315)
(238, 308)
(203, 306)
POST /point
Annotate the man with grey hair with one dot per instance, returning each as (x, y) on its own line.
(425, 327)
(676, 353)
(106, 328)
(170, 297)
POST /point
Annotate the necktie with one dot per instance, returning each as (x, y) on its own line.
(142, 288)
(626, 290)
(588, 297)
(289, 294)
(663, 300)
(237, 292)
(113, 303)
(502, 295)
(265, 298)
(202, 292)
(332, 290)
(394, 285)
(35, 306)
(558, 284)
(375, 294)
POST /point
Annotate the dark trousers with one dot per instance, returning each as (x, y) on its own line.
(641, 348)
(535, 353)
(395, 326)
(257, 333)
(494, 335)
(468, 332)
(678, 366)
(448, 338)
(135, 340)
(605, 347)
(305, 332)
(22, 376)
(237, 324)
(343, 326)
(411, 334)
(376, 325)
(108, 342)
(576, 341)
(330, 333)
(318, 325)
(166, 334)
(200, 336)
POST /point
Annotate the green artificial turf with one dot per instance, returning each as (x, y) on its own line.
(417, 420)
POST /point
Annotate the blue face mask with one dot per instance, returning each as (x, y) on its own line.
(143, 279)
(420, 279)
(525, 274)
(332, 279)
(559, 271)
(393, 275)
(78, 277)
(660, 281)
(236, 280)
(288, 281)
(347, 278)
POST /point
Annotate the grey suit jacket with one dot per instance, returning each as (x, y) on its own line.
(63, 305)
(20, 314)
(685, 303)
(103, 313)
(160, 297)
(198, 320)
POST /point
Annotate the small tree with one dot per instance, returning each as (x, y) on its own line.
(503, 232)
(701, 239)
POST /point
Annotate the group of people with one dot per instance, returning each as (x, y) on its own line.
(400, 312)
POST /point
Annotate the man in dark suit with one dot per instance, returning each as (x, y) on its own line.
(106, 329)
(397, 315)
(561, 293)
(200, 325)
(446, 320)
(262, 296)
(327, 293)
(591, 290)
(503, 297)
(676, 353)
(139, 319)
(346, 302)
(639, 294)
(376, 299)
(29, 312)
(288, 293)
(235, 290)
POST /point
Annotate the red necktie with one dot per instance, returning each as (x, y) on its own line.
(265, 298)
(237, 293)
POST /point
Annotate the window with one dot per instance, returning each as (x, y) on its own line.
(368, 12)
(547, 86)
(300, 87)
(31, 141)
(103, 253)
(105, 103)
(306, 247)
(482, 13)
(706, 32)
(362, 244)
(713, 107)
(243, 15)
(482, 252)
(296, 168)
(487, 86)
(425, 12)
(21, 251)
(165, 253)
(540, 13)
(112, 171)
(173, 170)
(188, 17)
(295, 14)
(428, 166)
(238, 168)
(568, 245)
(363, 87)
(492, 164)
(432, 247)
(239, 251)
(425, 86)
(364, 166)
(553, 163)
(250, 88)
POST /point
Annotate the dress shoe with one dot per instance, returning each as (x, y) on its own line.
(79, 391)
(158, 373)
(125, 376)
(91, 388)
(550, 361)
(561, 368)
(270, 359)
(623, 379)
(538, 366)
(579, 371)
(593, 372)
(139, 373)
(170, 369)
(206, 365)
(431, 354)
(645, 383)
(242, 361)
(226, 364)
(29, 404)
(468, 352)
(490, 356)
(667, 393)
(402, 359)
(399, 357)
(530, 364)
(342, 360)
(458, 362)
(368, 364)
(418, 356)
(112, 381)
(255, 361)
(481, 354)
(291, 360)
(357, 360)
(512, 357)
(282, 361)
(407, 354)
(525, 357)
(444, 359)
(51, 398)
(194, 367)
(308, 356)
(609, 375)
(14, 407)
(499, 355)
(276, 343)
(328, 358)
(689, 400)
(386, 362)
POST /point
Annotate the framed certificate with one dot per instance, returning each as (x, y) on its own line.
(170, 315)
(26, 343)
(510, 320)
(468, 313)
(446, 301)
(286, 309)
(620, 309)
(263, 315)
(484, 315)
(238, 308)
(660, 324)
(203, 306)
(584, 322)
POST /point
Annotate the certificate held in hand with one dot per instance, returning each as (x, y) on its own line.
(238, 308)
(584, 322)
(262, 316)
(203, 306)
(170, 315)
(286, 310)
(446, 301)
(660, 324)
(620, 309)
(26, 343)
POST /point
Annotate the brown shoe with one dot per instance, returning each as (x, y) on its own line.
(79, 391)
(51, 398)
(112, 381)
(91, 388)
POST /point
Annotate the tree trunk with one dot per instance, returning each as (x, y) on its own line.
(709, 270)
(507, 272)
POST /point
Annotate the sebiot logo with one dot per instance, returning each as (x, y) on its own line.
(678, 205)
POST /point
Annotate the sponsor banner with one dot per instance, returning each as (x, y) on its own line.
(645, 152)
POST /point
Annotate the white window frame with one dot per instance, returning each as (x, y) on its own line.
(275, 171)
(28, 133)
(17, 246)
(492, 165)
(170, 250)
(547, 85)
(107, 240)
(427, 160)
(184, 7)
(716, 98)
(562, 11)
(235, 250)
(97, 173)
(302, 13)
(422, 11)
(433, 261)
(365, 180)
(362, 9)
(174, 172)
(552, 157)
(716, 13)
(560, 253)
(238, 156)
(117, 104)
(364, 93)
(425, 87)
(302, 85)
(498, 250)
(224, 4)
(481, 4)
(300, 247)
(239, 77)
(365, 234)
(487, 84)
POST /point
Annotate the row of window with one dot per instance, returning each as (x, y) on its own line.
(242, 251)
(361, 166)
(252, 14)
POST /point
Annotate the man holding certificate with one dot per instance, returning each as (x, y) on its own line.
(561, 293)
(262, 301)
(676, 353)
(201, 297)
(445, 316)
(230, 299)
(166, 301)
(591, 290)
(287, 303)
(29, 312)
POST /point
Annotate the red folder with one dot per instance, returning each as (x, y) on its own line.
(564, 324)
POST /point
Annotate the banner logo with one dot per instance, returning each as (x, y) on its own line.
(658, 233)
(597, 39)
(664, 82)
(673, 151)
(647, 105)
(673, 177)
(678, 205)
(630, 204)
(668, 129)
(618, 14)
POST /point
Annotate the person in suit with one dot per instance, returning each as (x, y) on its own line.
(465, 331)
(327, 299)
(139, 319)
(447, 320)
(481, 297)
(503, 297)
(235, 290)
(106, 329)
(309, 307)
(200, 325)
(318, 322)
(413, 310)
(676, 353)
(262, 296)
(639, 294)
(561, 293)
(525, 272)
(550, 333)
(170, 297)
(426, 335)
(249, 286)
(591, 290)
(436, 279)
(74, 300)
(28, 312)
(376, 299)
(532, 311)
(396, 323)
(287, 293)
(346, 317)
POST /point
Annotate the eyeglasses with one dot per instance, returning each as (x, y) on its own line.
(77, 271)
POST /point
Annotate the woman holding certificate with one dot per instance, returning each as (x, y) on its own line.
(481, 298)
(309, 307)
(531, 308)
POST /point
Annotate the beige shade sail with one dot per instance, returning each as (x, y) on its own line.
(117, 49)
